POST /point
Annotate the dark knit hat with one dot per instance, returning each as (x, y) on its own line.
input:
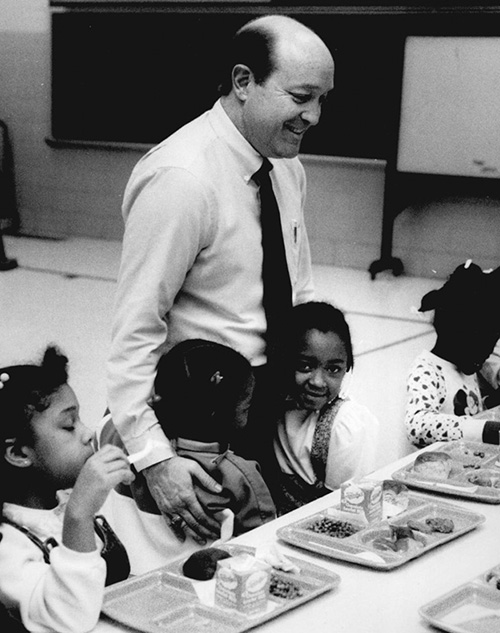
(468, 288)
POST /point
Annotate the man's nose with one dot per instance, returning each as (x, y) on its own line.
(312, 113)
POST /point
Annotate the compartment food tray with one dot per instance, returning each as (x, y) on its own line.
(165, 600)
(473, 607)
(471, 461)
(357, 541)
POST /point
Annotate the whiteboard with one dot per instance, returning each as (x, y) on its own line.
(450, 106)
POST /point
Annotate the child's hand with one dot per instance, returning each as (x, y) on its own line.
(102, 471)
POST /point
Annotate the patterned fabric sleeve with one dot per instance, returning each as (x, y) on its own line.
(426, 394)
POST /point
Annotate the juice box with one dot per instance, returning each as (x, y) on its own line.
(363, 498)
(242, 583)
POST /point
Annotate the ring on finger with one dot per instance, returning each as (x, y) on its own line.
(176, 521)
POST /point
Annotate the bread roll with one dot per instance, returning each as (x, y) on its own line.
(201, 565)
(434, 465)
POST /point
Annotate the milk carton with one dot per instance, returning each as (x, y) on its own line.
(363, 498)
(242, 583)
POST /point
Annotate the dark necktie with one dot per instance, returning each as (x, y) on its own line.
(275, 276)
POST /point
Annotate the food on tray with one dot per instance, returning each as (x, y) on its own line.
(438, 524)
(271, 555)
(400, 539)
(333, 527)
(242, 583)
(434, 464)
(460, 451)
(432, 524)
(395, 497)
(467, 457)
(201, 565)
(280, 587)
(460, 468)
(403, 538)
(420, 526)
(493, 579)
(486, 479)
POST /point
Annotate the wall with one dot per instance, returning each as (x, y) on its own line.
(65, 192)
(60, 191)
(344, 209)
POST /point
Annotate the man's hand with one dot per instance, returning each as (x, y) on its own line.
(172, 484)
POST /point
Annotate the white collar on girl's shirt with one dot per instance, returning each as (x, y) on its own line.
(43, 523)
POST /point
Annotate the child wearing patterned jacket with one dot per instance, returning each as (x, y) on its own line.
(444, 393)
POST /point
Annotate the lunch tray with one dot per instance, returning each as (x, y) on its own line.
(471, 608)
(164, 600)
(359, 547)
(470, 460)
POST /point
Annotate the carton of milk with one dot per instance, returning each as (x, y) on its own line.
(362, 497)
(242, 584)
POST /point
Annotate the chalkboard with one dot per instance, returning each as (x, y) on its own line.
(135, 77)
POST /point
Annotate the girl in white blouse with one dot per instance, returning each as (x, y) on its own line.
(323, 437)
(56, 555)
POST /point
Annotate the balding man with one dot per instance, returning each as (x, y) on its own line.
(192, 255)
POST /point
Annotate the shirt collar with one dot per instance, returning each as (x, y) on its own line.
(247, 158)
(42, 522)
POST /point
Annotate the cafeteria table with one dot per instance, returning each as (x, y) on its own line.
(368, 600)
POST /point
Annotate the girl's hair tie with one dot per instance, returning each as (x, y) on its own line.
(217, 378)
(4, 377)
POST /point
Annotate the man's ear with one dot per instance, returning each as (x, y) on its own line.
(18, 455)
(242, 78)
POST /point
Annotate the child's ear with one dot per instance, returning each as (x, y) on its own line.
(18, 455)
(154, 399)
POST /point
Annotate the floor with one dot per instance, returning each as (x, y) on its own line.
(62, 292)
